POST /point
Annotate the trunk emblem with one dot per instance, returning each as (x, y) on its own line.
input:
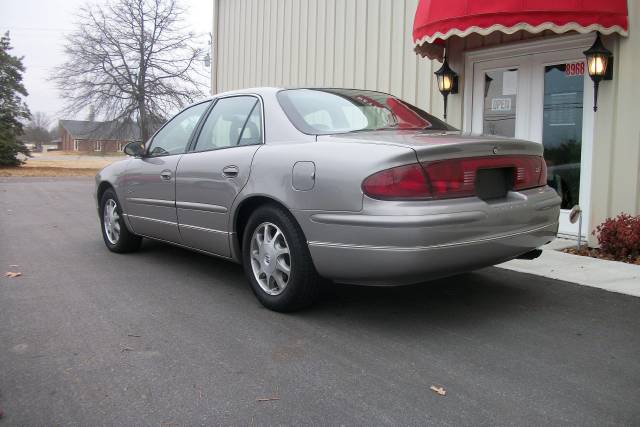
(495, 150)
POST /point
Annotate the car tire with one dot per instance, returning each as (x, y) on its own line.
(265, 264)
(115, 233)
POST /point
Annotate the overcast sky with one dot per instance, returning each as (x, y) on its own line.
(37, 29)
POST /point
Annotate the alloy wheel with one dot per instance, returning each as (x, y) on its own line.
(111, 220)
(270, 258)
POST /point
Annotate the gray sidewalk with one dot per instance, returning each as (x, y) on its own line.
(609, 275)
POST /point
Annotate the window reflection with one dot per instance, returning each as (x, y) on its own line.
(562, 129)
(500, 102)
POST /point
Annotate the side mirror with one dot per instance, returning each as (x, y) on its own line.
(135, 149)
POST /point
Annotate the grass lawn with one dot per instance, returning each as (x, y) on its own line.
(57, 163)
(46, 171)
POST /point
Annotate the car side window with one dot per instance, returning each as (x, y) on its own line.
(252, 132)
(232, 121)
(174, 136)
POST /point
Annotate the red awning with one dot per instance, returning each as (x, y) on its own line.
(437, 20)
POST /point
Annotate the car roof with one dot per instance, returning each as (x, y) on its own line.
(251, 90)
(269, 90)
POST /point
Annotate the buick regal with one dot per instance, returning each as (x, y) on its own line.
(354, 186)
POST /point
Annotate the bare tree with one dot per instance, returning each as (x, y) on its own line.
(130, 59)
(40, 120)
(37, 129)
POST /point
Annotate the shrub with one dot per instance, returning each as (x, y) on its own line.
(620, 236)
(10, 150)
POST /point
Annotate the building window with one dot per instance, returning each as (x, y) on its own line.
(98, 146)
(75, 145)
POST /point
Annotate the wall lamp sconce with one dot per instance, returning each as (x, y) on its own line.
(447, 82)
(599, 66)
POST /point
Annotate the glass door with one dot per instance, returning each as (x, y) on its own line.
(500, 102)
(562, 120)
(541, 97)
(562, 129)
(500, 86)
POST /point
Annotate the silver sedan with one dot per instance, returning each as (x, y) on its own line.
(354, 186)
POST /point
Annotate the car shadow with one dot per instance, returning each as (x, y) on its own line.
(457, 300)
(462, 299)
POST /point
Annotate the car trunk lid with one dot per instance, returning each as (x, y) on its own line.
(453, 165)
(437, 145)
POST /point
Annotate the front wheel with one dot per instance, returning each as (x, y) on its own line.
(277, 261)
(115, 233)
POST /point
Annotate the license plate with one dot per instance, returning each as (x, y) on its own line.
(493, 183)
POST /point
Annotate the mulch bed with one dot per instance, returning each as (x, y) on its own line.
(596, 253)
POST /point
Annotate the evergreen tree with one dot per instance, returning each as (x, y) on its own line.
(13, 110)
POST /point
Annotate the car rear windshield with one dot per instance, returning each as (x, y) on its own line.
(329, 111)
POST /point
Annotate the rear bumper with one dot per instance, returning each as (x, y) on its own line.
(396, 242)
(395, 265)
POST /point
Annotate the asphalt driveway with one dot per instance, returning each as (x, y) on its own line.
(169, 337)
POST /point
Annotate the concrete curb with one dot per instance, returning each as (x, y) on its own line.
(609, 275)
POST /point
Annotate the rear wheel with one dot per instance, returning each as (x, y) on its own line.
(277, 262)
(115, 233)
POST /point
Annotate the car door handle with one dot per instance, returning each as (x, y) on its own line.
(230, 171)
(166, 175)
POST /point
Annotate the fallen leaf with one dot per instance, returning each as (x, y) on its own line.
(441, 391)
(267, 399)
(13, 274)
(123, 349)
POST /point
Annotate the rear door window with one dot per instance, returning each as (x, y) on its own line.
(232, 121)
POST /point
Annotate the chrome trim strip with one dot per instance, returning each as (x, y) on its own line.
(420, 248)
(155, 202)
(400, 220)
(195, 227)
(144, 218)
(201, 207)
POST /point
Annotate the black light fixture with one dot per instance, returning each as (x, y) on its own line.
(487, 84)
(447, 82)
(599, 66)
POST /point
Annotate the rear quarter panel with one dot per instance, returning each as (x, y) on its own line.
(339, 171)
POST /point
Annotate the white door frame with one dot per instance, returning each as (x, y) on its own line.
(528, 56)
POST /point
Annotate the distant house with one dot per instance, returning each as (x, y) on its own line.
(93, 136)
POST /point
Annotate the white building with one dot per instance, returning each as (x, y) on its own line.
(525, 78)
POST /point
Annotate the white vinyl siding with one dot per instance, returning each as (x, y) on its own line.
(367, 44)
(363, 44)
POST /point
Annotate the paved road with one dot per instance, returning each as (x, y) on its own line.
(169, 337)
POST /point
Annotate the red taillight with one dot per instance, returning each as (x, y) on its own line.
(402, 182)
(452, 178)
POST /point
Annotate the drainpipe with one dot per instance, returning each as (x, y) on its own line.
(214, 50)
